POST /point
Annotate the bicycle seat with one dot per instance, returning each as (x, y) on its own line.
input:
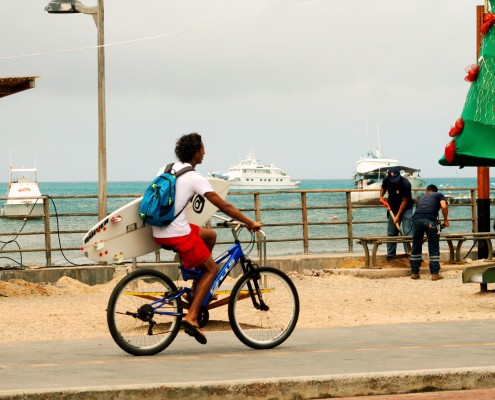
(194, 274)
(164, 247)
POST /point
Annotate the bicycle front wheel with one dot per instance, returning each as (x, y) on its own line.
(263, 308)
(139, 321)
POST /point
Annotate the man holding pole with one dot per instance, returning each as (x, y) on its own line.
(400, 207)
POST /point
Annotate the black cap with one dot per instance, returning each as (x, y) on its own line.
(393, 174)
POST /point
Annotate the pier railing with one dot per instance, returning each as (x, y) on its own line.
(295, 221)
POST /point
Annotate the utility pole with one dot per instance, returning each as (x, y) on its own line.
(102, 133)
(97, 12)
(483, 173)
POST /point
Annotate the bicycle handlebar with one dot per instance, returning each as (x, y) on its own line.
(236, 226)
(227, 224)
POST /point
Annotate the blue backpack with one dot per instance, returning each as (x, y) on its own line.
(158, 205)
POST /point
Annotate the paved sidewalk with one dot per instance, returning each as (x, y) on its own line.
(313, 363)
(476, 394)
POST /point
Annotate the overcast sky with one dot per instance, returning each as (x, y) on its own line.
(303, 84)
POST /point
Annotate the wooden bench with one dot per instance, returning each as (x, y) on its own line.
(482, 274)
(450, 238)
(455, 254)
(376, 241)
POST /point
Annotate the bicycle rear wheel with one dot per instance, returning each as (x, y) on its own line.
(133, 318)
(263, 308)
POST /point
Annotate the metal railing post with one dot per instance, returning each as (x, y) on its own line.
(48, 245)
(350, 241)
(257, 217)
(473, 210)
(304, 210)
(257, 208)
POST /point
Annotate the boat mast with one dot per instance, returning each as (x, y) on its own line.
(370, 150)
(379, 148)
(10, 160)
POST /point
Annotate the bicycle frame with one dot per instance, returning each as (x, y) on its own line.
(233, 255)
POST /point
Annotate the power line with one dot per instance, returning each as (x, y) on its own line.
(165, 35)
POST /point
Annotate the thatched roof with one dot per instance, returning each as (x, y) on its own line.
(16, 84)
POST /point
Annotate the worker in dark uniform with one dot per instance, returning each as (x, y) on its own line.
(401, 203)
(425, 222)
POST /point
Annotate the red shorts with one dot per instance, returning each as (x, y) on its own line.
(192, 249)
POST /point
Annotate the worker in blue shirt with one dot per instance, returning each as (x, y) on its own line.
(425, 220)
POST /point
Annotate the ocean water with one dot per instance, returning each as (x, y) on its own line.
(325, 212)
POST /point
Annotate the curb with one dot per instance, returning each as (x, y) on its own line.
(383, 273)
(317, 264)
(310, 387)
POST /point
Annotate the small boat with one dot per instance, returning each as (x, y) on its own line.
(454, 197)
(23, 183)
(459, 198)
(370, 171)
(251, 173)
(218, 175)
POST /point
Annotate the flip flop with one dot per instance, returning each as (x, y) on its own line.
(194, 331)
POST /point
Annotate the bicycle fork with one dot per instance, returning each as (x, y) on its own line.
(255, 293)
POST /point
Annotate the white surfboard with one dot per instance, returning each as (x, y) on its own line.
(122, 234)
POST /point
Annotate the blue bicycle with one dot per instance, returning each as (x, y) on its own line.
(145, 309)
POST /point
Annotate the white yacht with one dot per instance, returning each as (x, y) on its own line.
(23, 183)
(251, 173)
(370, 171)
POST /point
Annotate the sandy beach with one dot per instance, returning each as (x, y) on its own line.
(70, 309)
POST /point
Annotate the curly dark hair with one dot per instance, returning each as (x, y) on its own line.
(187, 145)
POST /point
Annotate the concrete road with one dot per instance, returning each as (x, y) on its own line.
(313, 363)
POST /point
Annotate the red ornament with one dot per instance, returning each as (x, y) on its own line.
(488, 20)
(450, 151)
(457, 128)
(472, 73)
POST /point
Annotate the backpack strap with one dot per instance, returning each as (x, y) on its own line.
(182, 171)
(168, 169)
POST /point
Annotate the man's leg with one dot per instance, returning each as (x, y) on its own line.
(433, 248)
(417, 247)
(202, 288)
(407, 226)
(391, 231)
(209, 236)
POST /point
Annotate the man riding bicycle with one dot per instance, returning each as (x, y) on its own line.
(194, 243)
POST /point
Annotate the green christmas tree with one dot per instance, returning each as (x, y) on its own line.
(473, 135)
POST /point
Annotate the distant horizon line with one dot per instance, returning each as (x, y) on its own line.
(300, 179)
